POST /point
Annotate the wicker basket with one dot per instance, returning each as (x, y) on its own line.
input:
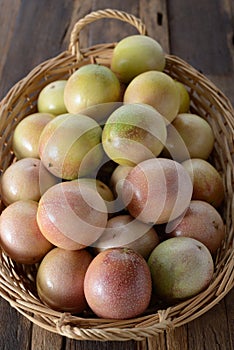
(17, 281)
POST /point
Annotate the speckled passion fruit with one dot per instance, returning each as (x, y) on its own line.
(189, 136)
(51, 98)
(201, 221)
(181, 267)
(25, 179)
(27, 133)
(72, 215)
(70, 146)
(118, 284)
(90, 85)
(136, 54)
(157, 190)
(133, 133)
(207, 181)
(104, 191)
(20, 236)
(60, 279)
(156, 89)
(125, 231)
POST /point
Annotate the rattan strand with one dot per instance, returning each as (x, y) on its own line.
(16, 281)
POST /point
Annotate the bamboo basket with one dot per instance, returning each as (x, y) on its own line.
(17, 281)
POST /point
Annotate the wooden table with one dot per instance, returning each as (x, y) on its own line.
(201, 32)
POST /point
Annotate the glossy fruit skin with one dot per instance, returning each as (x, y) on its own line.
(181, 267)
(157, 191)
(136, 54)
(90, 85)
(117, 178)
(201, 221)
(20, 236)
(156, 89)
(207, 182)
(101, 112)
(72, 215)
(118, 284)
(51, 98)
(133, 133)
(25, 179)
(27, 133)
(70, 146)
(125, 231)
(104, 191)
(184, 97)
(191, 136)
(116, 184)
(60, 279)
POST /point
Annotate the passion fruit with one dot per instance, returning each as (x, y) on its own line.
(26, 179)
(201, 221)
(136, 54)
(118, 284)
(60, 279)
(72, 215)
(20, 236)
(70, 146)
(27, 134)
(90, 85)
(157, 191)
(51, 98)
(181, 267)
(125, 231)
(133, 133)
(156, 89)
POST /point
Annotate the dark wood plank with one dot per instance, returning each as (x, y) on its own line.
(79, 10)
(95, 345)
(177, 338)
(157, 24)
(15, 329)
(45, 340)
(201, 32)
(209, 331)
(7, 20)
(158, 342)
(192, 27)
(142, 345)
(112, 30)
(37, 35)
(230, 316)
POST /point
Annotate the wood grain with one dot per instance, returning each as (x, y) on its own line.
(7, 20)
(37, 35)
(15, 329)
(200, 32)
(157, 25)
(43, 339)
(229, 304)
(210, 331)
(94, 345)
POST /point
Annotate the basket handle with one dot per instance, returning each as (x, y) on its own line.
(74, 46)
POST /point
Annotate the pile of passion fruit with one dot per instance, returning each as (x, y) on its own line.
(112, 194)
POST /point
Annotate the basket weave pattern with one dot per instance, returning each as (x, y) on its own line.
(17, 282)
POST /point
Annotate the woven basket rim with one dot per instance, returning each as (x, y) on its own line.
(16, 293)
